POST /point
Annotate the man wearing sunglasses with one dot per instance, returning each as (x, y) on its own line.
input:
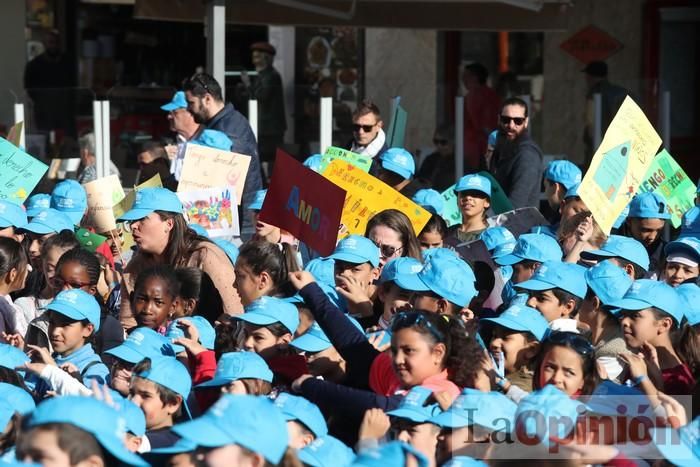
(517, 158)
(368, 137)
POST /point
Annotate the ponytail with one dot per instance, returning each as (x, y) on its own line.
(276, 259)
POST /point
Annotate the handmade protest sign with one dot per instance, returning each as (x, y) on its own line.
(303, 203)
(102, 194)
(19, 172)
(619, 164)
(212, 209)
(125, 204)
(333, 153)
(499, 201)
(205, 167)
(667, 179)
(367, 196)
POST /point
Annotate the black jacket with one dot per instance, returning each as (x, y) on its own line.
(518, 168)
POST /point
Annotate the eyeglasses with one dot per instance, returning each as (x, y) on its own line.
(440, 142)
(505, 120)
(365, 128)
(58, 284)
(573, 340)
(407, 319)
(387, 251)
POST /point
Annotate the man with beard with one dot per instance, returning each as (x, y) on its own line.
(206, 104)
(517, 160)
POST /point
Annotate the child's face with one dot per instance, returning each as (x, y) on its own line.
(228, 455)
(35, 242)
(422, 436)
(49, 262)
(472, 204)
(363, 273)
(415, 358)
(548, 304)
(639, 326)
(430, 240)
(677, 273)
(248, 284)
(120, 376)
(552, 193)
(43, 448)
(153, 303)
(522, 272)
(262, 341)
(646, 231)
(235, 387)
(262, 229)
(144, 393)
(512, 346)
(394, 298)
(452, 442)
(67, 335)
(563, 368)
(72, 275)
(571, 207)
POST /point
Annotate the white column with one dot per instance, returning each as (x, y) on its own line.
(665, 118)
(97, 124)
(597, 120)
(216, 41)
(326, 137)
(283, 39)
(253, 116)
(459, 137)
(106, 142)
(19, 117)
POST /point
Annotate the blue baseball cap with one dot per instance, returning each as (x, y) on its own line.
(523, 319)
(690, 222)
(326, 451)
(207, 334)
(181, 446)
(178, 102)
(70, 198)
(680, 446)
(445, 275)
(105, 423)
(495, 237)
(544, 230)
(399, 267)
(392, 453)
(229, 248)
(171, 374)
(564, 172)
(323, 270)
(474, 182)
(269, 310)
(149, 200)
(464, 461)
(19, 399)
(414, 406)
(399, 161)
(619, 246)
(299, 409)
(490, 410)
(214, 139)
(49, 221)
(683, 246)
(198, 229)
(36, 203)
(689, 295)
(649, 206)
(315, 340)
(258, 201)
(132, 413)
(356, 249)
(647, 293)
(12, 215)
(11, 357)
(252, 422)
(142, 343)
(430, 200)
(78, 305)
(572, 192)
(568, 277)
(532, 247)
(233, 366)
(548, 408)
(608, 281)
(313, 162)
(6, 413)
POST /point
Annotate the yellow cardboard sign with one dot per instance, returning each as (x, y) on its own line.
(102, 194)
(205, 167)
(619, 165)
(366, 196)
(125, 204)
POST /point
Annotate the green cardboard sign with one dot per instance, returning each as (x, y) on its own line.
(396, 134)
(332, 153)
(19, 172)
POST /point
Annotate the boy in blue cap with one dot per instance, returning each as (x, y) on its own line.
(473, 199)
(682, 263)
(392, 295)
(305, 422)
(559, 177)
(12, 218)
(645, 223)
(624, 252)
(45, 224)
(356, 267)
(69, 197)
(397, 168)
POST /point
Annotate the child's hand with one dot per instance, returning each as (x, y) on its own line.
(635, 363)
(376, 339)
(650, 354)
(71, 370)
(15, 340)
(444, 399)
(587, 453)
(40, 354)
(33, 368)
(102, 393)
(584, 231)
(354, 292)
(375, 424)
(676, 416)
(191, 346)
(301, 279)
(189, 329)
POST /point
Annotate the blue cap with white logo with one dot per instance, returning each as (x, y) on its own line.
(178, 102)
(326, 451)
(323, 270)
(207, 334)
(619, 246)
(689, 295)
(399, 161)
(399, 267)
(36, 203)
(356, 249)
(313, 162)
(490, 410)
(171, 374)
(537, 411)
(70, 198)
(445, 275)
(474, 182)
(608, 281)
(649, 206)
(564, 172)
(233, 366)
(78, 305)
(269, 310)
(11, 357)
(690, 222)
(142, 343)
(301, 410)
(214, 139)
(49, 221)
(464, 461)
(523, 319)
(498, 240)
(647, 293)
(415, 407)
(568, 277)
(258, 200)
(132, 413)
(315, 340)
(532, 247)
(683, 246)
(12, 215)
(149, 200)
(430, 200)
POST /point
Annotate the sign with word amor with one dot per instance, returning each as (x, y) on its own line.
(366, 196)
(205, 167)
(333, 153)
(19, 172)
(304, 204)
(667, 179)
(619, 164)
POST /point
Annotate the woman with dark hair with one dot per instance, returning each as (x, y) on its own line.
(162, 236)
(393, 233)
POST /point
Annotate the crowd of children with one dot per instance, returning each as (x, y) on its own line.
(563, 345)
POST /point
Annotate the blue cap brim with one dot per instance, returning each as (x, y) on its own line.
(217, 382)
(37, 228)
(411, 282)
(66, 311)
(451, 420)
(534, 284)
(678, 453)
(34, 211)
(397, 169)
(629, 304)
(202, 432)
(508, 260)
(350, 258)
(409, 414)
(310, 343)
(594, 254)
(508, 323)
(257, 319)
(135, 214)
(124, 352)
(474, 189)
(182, 445)
(170, 106)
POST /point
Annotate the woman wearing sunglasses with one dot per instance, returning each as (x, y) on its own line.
(392, 232)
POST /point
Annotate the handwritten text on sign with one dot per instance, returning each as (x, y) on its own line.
(19, 172)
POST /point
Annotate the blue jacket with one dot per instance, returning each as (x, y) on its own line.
(89, 366)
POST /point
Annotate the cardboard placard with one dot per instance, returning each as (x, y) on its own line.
(102, 195)
(205, 167)
(19, 172)
(333, 153)
(125, 204)
(304, 204)
(396, 134)
(366, 196)
(619, 164)
(212, 208)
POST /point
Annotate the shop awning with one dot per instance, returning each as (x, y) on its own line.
(493, 15)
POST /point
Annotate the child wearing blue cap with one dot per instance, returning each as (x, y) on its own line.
(155, 297)
(14, 267)
(190, 280)
(44, 225)
(645, 223)
(392, 295)
(559, 177)
(625, 252)
(473, 199)
(682, 261)
(567, 362)
(433, 234)
(240, 373)
(12, 218)
(556, 289)
(70, 198)
(396, 168)
(356, 267)
(262, 269)
(305, 422)
(689, 342)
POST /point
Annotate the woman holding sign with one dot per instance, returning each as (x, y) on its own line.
(162, 236)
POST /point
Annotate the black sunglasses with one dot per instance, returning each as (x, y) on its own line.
(365, 128)
(571, 339)
(407, 319)
(505, 120)
(387, 251)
